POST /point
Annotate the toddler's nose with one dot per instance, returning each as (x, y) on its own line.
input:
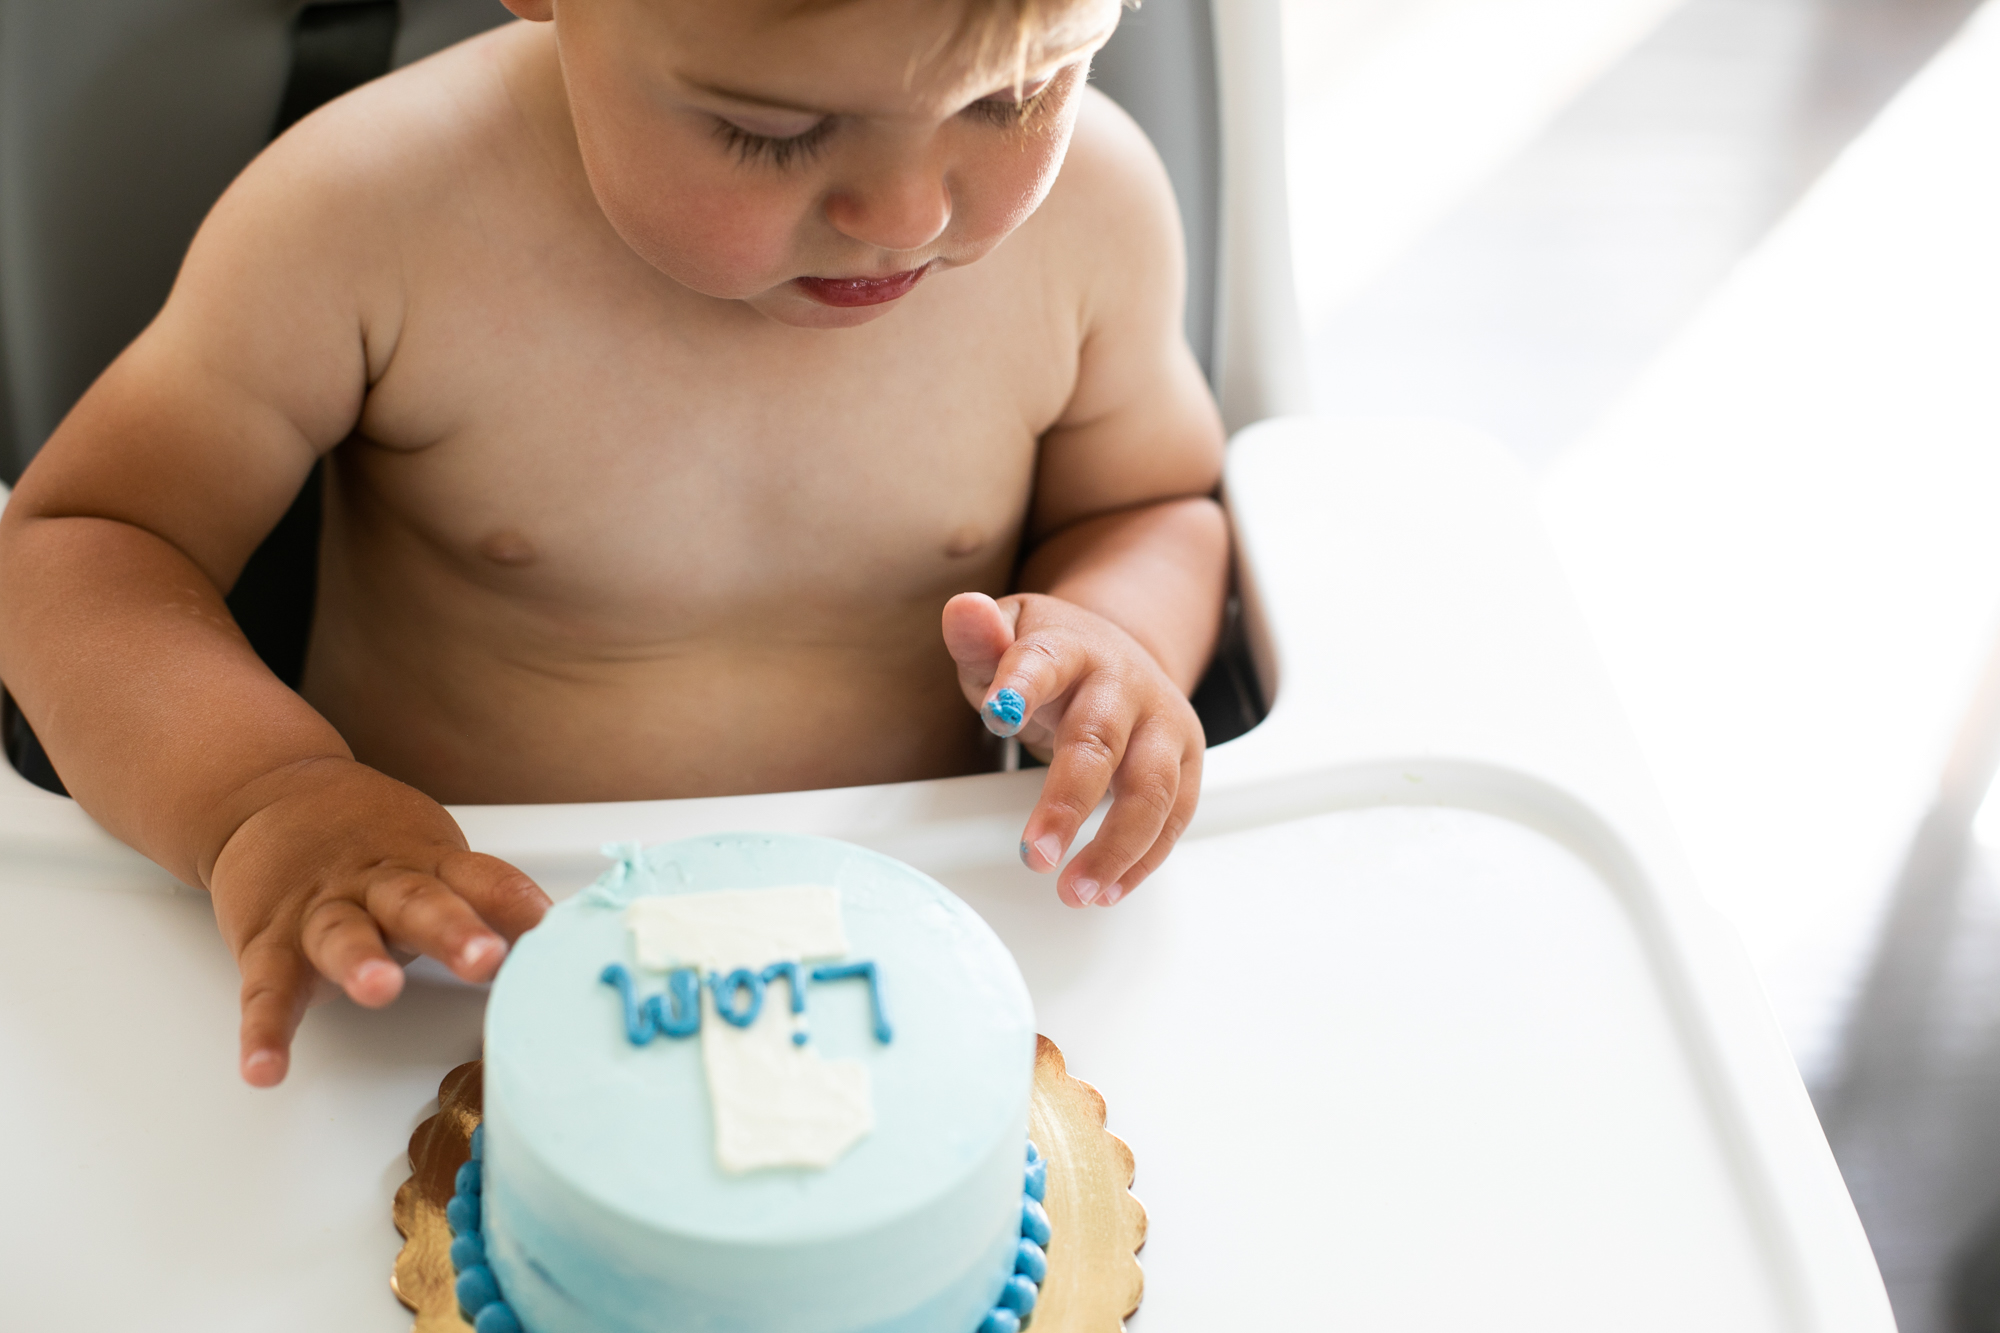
(905, 207)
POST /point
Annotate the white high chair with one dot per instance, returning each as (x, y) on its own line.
(1423, 1027)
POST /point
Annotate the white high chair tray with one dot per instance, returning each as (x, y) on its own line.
(1422, 1028)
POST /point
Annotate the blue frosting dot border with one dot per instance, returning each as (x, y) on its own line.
(479, 1297)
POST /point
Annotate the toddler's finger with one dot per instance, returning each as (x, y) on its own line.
(1090, 745)
(1176, 824)
(276, 985)
(1038, 668)
(1145, 793)
(977, 630)
(505, 898)
(343, 942)
(419, 912)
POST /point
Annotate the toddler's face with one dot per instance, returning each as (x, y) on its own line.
(817, 164)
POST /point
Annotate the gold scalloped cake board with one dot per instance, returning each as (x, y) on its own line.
(1096, 1226)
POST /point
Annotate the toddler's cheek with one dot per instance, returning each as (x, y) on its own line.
(1014, 203)
(1006, 189)
(718, 241)
(684, 209)
(724, 250)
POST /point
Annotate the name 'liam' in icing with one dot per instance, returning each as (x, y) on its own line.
(776, 1101)
(676, 1012)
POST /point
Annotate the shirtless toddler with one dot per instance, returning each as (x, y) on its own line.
(676, 362)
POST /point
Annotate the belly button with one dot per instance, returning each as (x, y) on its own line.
(507, 548)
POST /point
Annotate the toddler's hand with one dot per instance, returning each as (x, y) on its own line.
(1084, 694)
(338, 865)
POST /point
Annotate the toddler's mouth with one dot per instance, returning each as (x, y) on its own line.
(860, 291)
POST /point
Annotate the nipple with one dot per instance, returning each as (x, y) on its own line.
(507, 547)
(966, 541)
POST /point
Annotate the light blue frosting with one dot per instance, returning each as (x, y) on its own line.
(605, 1210)
(481, 1300)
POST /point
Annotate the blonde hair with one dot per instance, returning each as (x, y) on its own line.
(996, 33)
(1004, 31)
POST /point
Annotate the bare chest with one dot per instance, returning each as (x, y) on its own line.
(566, 438)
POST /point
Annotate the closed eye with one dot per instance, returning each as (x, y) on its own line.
(777, 152)
(1006, 110)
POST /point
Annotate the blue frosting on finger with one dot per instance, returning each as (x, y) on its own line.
(1005, 712)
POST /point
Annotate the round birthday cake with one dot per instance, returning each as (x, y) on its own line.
(755, 1082)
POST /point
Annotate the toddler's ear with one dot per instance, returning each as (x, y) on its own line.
(535, 11)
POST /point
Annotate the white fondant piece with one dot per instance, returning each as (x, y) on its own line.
(730, 928)
(776, 1102)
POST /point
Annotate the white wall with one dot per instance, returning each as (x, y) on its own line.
(1400, 108)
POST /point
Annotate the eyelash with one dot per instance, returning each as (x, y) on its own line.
(782, 153)
(779, 153)
(999, 111)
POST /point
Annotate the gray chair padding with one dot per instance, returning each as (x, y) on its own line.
(121, 121)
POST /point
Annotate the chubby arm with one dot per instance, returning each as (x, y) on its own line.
(1128, 559)
(115, 551)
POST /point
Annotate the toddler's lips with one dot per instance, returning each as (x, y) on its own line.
(860, 291)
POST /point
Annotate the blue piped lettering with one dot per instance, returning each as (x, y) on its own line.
(729, 990)
(842, 971)
(677, 1013)
(790, 972)
(739, 998)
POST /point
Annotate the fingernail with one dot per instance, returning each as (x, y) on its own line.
(1085, 890)
(1050, 847)
(258, 1065)
(1112, 895)
(478, 951)
(1004, 712)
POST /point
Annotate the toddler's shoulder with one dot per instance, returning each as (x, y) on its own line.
(1112, 153)
(1112, 209)
(381, 155)
(327, 231)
